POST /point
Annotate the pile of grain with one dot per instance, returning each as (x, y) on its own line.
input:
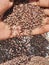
(25, 17)
(28, 46)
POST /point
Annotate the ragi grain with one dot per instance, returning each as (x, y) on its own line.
(25, 17)
(28, 46)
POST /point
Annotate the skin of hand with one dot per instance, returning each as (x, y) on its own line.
(4, 29)
(45, 27)
(5, 5)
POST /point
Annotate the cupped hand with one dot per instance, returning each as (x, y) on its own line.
(6, 32)
(45, 27)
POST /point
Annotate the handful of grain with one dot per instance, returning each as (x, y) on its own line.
(24, 18)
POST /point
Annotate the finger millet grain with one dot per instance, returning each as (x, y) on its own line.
(24, 18)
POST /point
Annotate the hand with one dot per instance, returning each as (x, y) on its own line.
(5, 5)
(44, 28)
(4, 29)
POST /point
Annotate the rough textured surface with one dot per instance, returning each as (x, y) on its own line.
(28, 46)
(24, 60)
(24, 18)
